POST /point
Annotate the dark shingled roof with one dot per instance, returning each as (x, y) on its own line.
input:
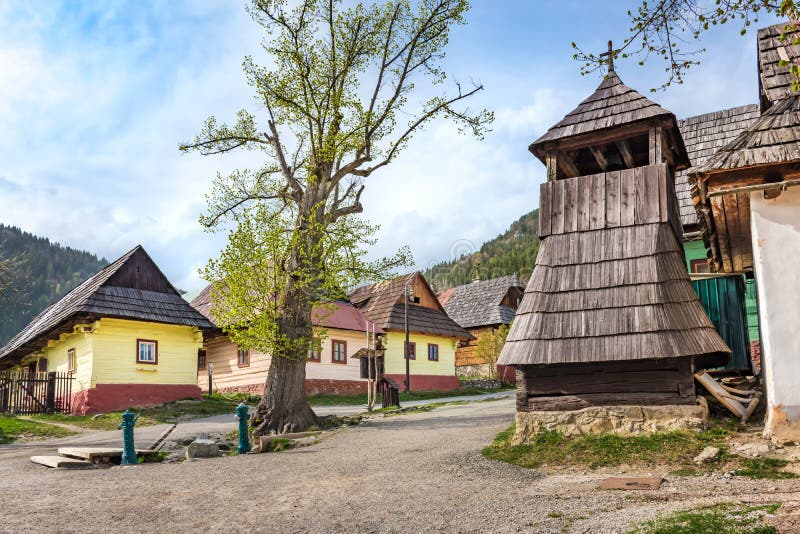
(703, 136)
(479, 303)
(773, 138)
(113, 292)
(774, 80)
(612, 104)
(382, 302)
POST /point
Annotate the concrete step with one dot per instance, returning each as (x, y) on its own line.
(97, 454)
(61, 462)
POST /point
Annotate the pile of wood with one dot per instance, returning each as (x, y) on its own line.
(742, 400)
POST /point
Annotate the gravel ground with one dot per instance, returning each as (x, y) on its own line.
(412, 473)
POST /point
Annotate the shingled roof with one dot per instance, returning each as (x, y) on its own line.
(703, 136)
(612, 104)
(382, 302)
(774, 138)
(132, 287)
(613, 286)
(774, 79)
(480, 303)
(337, 314)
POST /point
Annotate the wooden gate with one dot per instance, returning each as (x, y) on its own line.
(25, 392)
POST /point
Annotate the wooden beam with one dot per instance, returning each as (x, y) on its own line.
(597, 152)
(567, 164)
(627, 155)
(654, 144)
(552, 166)
(666, 150)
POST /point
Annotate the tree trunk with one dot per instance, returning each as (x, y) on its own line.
(284, 406)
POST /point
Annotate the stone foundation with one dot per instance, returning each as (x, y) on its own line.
(608, 419)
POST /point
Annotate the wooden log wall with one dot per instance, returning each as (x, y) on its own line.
(642, 195)
(576, 386)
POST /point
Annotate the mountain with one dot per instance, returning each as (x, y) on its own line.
(42, 272)
(513, 251)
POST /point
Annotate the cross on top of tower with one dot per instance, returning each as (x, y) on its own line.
(610, 55)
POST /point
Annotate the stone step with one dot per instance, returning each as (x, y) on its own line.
(61, 462)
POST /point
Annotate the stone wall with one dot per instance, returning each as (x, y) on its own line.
(608, 419)
(486, 383)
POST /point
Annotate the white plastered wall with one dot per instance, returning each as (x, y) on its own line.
(775, 225)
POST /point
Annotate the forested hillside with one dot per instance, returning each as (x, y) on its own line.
(41, 273)
(514, 251)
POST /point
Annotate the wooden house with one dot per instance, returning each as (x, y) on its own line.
(481, 307)
(125, 335)
(749, 210)
(609, 317)
(433, 336)
(333, 367)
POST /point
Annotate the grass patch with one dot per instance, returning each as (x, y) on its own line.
(329, 399)
(763, 468)
(11, 428)
(675, 449)
(593, 451)
(171, 412)
(723, 518)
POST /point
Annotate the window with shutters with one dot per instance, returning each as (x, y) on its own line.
(339, 351)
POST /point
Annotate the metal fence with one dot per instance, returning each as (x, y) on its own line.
(25, 393)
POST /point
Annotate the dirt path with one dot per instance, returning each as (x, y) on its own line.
(414, 473)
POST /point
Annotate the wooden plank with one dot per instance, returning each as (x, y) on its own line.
(571, 204)
(718, 213)
(567, 164)
(552, 166)
(731, 209)
(664, 191)
(627, 197)
(557, 207)
(640, 201)
(651, 200)
(612, 199)
(597, 212)
(654, 144)
(584, 202)
(725, 398)
(544, 209)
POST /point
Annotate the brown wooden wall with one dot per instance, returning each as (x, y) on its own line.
(576, 386)
(626, 197)
(465, 355)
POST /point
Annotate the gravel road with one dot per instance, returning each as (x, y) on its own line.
(414, 473)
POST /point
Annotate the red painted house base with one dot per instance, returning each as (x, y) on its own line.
(427, 382)
(113, 397)
(506, 374)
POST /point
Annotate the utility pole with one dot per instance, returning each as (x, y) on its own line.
(406, 294)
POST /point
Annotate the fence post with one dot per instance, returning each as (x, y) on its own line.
(51, 392)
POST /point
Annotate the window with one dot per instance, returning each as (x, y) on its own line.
(433, 352)
(42, 365)
(201, 358)
(339, 351)
(146, 351)
(242, 357)
(315, 352)
(72, 363)
(412, 350)
(699, 266)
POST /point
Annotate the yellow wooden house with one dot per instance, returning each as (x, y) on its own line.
(433, 335)
(125, 336)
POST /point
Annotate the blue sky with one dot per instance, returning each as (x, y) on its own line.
(96, 96)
